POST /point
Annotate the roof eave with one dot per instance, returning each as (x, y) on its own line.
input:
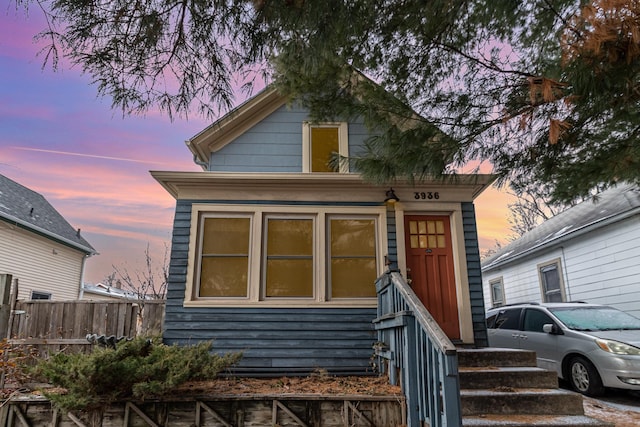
(563, 238)
(28, 226)
(233, 124)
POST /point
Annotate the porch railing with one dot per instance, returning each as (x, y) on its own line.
(414, 350)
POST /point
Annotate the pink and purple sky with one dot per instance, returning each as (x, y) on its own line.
(92, 164)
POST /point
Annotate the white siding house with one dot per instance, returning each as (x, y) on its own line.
(590, 252)
(38, 247)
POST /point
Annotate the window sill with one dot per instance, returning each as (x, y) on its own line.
(350, 303)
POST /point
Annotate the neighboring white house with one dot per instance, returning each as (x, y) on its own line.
(38, 247)
(102, 292)
(590, 252)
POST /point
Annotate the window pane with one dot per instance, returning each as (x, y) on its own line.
(224, 277)
(508, 319)
(350, 237)
(226, 236)
(496, 293)
(352, 252)
(290, 237)
(414, 242)
(441, 242)
(353, 278)
(432, 242)
(413, 227)
(324, 142)
(535, 319)
(551, 283)
(289, 262)
(289, 278)
(551, 279)
(225, 257)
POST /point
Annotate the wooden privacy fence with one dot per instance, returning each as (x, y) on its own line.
(53, 326)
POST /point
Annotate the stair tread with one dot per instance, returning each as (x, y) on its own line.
(532, 420)
(505, 391)
(502, 368)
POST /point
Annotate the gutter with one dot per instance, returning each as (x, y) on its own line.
(576, 233)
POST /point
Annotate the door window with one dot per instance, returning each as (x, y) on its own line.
(427, 234)
(534, 319)
(508, 319)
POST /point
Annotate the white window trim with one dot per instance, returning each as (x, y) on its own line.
(338, 216)
(200, 238)
(557, 262)
(343, 143)
(263, 258)
(497, 281)
(258, 212)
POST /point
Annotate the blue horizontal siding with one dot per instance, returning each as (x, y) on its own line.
(274, 341)
(275, 144)
(474, 274)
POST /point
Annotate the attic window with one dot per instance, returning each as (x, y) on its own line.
(320, 142)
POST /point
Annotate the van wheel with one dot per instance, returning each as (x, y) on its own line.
(584, 377)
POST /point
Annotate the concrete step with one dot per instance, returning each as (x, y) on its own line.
(503, 387)
(495, 357)
(533, 420)
(515, 377)
(521, 401)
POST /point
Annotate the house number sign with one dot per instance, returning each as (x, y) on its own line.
(426, 195)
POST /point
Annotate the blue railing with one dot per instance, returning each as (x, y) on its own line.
(413, 349)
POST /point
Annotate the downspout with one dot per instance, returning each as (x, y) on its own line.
(82, 268)
(203, 165)
(567, 287)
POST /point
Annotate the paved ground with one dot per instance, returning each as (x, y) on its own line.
(619, 407)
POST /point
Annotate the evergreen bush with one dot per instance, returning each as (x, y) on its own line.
(137, 369)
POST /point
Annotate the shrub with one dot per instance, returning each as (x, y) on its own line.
(14, 362)
(138, 369)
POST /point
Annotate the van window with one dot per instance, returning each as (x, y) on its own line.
(534, 319)
(508, 319)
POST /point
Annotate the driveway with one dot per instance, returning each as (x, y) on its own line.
(619, 407)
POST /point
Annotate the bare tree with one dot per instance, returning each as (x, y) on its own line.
(148, 283)
(531, 208)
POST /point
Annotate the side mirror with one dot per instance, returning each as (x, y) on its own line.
(552, 329)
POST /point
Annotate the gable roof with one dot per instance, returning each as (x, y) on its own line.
(610, 206)
(31, 211)
(233, 124)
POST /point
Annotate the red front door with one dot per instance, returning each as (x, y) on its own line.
(430, 268)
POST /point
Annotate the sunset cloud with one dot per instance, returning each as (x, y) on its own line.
(94, 156)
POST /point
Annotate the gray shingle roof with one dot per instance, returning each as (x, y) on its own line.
(609, 206)
(30, 210)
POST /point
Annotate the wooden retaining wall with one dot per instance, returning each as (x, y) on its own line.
(227, 411)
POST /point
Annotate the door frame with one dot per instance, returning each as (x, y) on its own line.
(454, 212)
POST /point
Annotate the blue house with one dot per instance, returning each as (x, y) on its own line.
(276, 255)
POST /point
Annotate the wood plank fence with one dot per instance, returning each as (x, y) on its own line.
(52, 326)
